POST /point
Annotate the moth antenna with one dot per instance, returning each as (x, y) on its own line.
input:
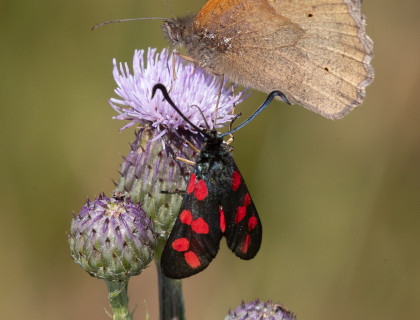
(162, 88)
(267, 101)
(125, 20)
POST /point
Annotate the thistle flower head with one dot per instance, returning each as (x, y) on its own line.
(151, 166)
(112, 239)
(259, 310)
(192, 88)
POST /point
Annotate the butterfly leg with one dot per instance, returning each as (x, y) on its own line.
(222, 80)
(187, 58)
(230, 140)
(173, 67)
(186, 161)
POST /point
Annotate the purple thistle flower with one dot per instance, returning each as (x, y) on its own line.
(151, 166)
(192, 87)
(260, 310)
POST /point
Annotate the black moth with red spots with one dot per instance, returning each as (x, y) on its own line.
(216, 203)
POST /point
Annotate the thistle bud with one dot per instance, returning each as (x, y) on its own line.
(112, 239)
(259, 310)
(151, 175)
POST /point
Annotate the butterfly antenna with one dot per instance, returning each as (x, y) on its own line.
(267, 101)
(169, 8)
(162, 88)
(125, 20)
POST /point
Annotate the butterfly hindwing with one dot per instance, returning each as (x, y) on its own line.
(195, 237)
(243, 226)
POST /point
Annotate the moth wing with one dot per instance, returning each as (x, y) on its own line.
(243, 228)
(195, 237)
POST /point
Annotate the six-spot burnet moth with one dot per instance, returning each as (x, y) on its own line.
(216, 203)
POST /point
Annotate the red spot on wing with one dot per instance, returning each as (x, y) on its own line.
(186, 217)
(222, 220)
(252, 223)
(240, 214)
(200, 190)
(191, 184)
(200, 226)
(236, 180)
(241, 211)
(247, 200)
(192, 259)
(247, 242)
(181, 244)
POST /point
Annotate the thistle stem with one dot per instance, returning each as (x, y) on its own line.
(171, 303)
(118, 299)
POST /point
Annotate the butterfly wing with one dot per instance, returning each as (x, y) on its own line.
(242, 223)
(316, 52)
(195, 237)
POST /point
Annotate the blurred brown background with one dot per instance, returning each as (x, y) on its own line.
(339, 201)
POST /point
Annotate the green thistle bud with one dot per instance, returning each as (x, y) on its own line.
(150, 175)
(258, 310)
(112, 239)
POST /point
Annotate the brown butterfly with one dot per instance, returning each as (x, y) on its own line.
(315, 51)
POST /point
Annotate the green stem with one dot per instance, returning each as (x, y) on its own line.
(118, 299)
(171, 303)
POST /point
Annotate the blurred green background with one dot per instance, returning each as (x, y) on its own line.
(339, 201)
